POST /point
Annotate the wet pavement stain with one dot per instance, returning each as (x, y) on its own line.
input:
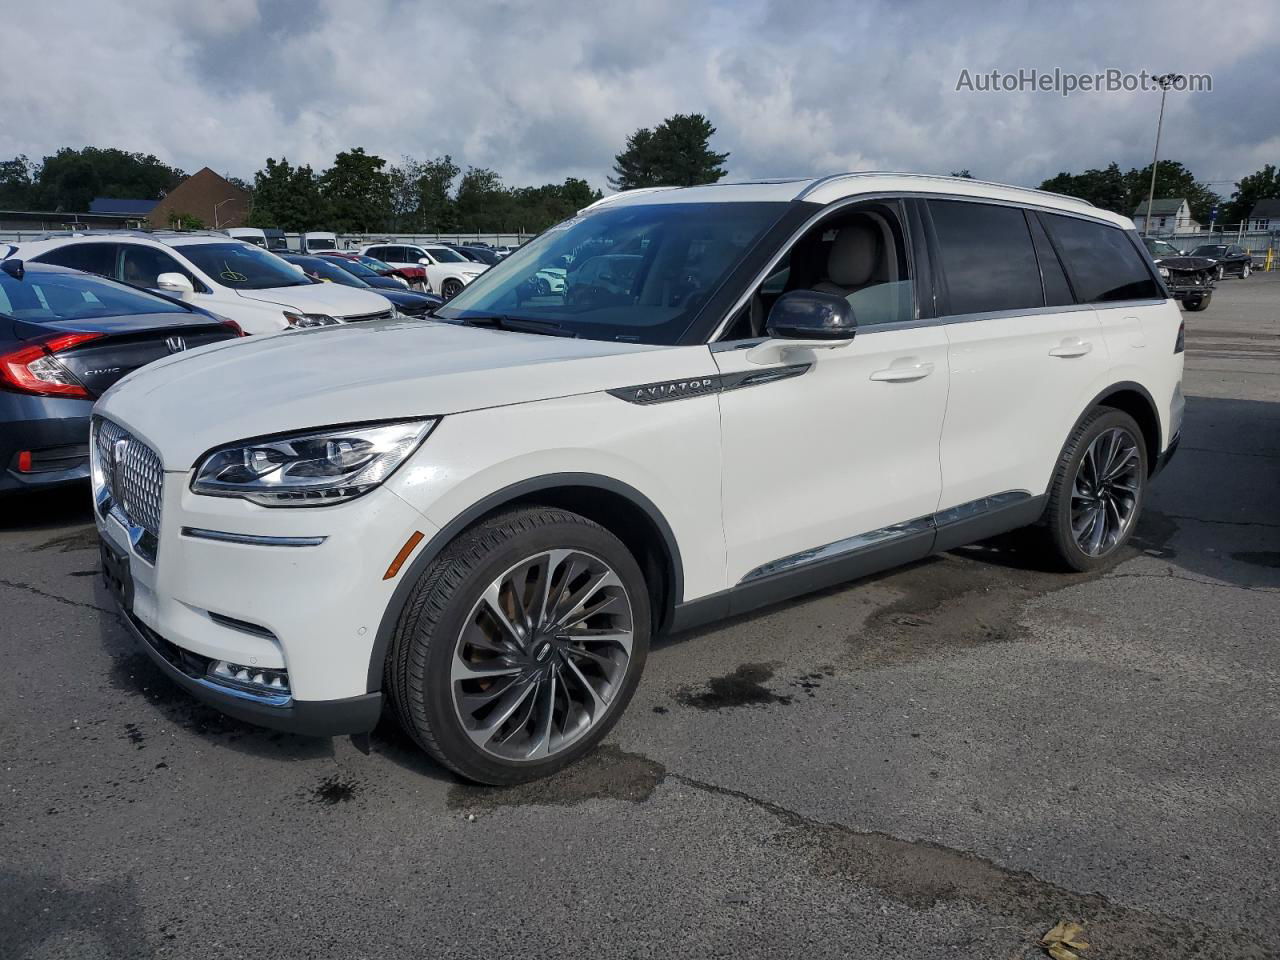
(744, 687)
(134, 735)
(1268, 559)
(84, 573)
(606, 774)
(334, 790)
(83, 539)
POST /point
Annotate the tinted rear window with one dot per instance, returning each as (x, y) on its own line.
(1105, 265)
(99, 258)
(987, 257)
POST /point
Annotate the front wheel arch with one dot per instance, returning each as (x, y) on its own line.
(618, 507)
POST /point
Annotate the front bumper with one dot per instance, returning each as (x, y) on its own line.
(312, 718)
(294, 590)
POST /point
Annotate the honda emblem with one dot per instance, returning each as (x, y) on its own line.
(175, 344)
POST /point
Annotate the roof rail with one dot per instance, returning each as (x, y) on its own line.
(823, 181)
(623, 193)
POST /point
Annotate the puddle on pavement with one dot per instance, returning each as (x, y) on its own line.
(743, 687)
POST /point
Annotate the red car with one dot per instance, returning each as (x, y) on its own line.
(416, 277)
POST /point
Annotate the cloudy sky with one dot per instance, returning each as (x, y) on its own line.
(543, 90)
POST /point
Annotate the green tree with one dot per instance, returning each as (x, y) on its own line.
(1262, 185)
(70, 178)
(482, 203)
(286, 197)
(17, 183)
(677, 152)
(403, 180)
(437, 210)
(1106, 188)
(962, 174)
(357, 193)
(185, 221)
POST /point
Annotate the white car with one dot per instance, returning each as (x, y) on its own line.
(447, 270)
(485, 521)
(234, 279)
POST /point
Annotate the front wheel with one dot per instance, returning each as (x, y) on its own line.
(520, 646)
(1246, 270)
(1097, 490)
(450, 289)
(1196, 304)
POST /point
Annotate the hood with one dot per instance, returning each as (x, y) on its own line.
(250, 387)
(1185, 263)
(331, 298)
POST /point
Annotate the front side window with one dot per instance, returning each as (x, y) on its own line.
(445, 255)
(639, 273)
(142, 266)
(987, 257)
(241, 267)
(1105, 265)
(99, 258)
(1208, 250)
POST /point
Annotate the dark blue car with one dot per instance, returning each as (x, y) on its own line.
(65, 337)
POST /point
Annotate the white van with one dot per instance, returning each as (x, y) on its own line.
(318, 240)
(269, 238)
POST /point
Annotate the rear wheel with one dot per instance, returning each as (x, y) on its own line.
(521, 646)
(450, 289)
(1097, 491)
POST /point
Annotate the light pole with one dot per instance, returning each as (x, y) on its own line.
(1165, 80)
(231, 199)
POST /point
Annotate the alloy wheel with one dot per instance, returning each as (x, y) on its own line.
(542, 655)
(1104, 494)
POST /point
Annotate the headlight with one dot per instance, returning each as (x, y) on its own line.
(310, 469)
(303, 320)
(1164, 272)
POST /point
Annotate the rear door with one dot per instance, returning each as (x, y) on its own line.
(1025, 358)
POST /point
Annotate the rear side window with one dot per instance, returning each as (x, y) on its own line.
(99, 258)
(1057, 292)
(1105, 265)
(986, 256)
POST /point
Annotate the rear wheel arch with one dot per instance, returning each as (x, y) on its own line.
(1135, 400)
(618, 507)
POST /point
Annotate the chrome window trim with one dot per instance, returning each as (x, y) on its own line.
(250, 539)
(825, 210)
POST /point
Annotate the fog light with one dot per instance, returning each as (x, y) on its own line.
(271, 681)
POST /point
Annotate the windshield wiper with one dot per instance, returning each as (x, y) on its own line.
(519, 324)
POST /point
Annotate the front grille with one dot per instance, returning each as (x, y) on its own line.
(361, 317)
(131, 478)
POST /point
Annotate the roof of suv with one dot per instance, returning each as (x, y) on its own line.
(168, 238)
(824, 190)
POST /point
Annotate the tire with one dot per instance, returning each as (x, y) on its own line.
(450, 289)
(542, 286)
(1220, 273)
(448, 631)
(1245, 270)
(1071, 505)
(1196, 304)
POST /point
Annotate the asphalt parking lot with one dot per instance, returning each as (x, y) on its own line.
(944, 761)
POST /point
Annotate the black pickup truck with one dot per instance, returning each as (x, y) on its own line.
(1189, 279)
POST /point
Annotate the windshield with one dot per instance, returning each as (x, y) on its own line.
(1209, 250)
(445, 255)
(241, 267)
(321, 243)
(52, 297)
(1159, 248)
(322, 269)
(638, 273)
(358, 269)
(377, 264)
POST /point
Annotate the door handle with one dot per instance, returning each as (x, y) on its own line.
(1071, 348)
(904, 372)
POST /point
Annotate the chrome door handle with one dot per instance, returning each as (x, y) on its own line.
(904, 373)
(1071, 348)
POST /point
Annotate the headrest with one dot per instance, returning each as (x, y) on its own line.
(854, 255)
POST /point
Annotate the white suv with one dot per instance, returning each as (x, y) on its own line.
(448, 271)
(232, 278)
(483, 521)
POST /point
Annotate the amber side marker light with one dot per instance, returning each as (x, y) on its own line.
(403, 555)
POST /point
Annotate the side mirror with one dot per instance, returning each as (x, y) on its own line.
(809, 315)
(805, 319)
(175, 284)
(424, 261)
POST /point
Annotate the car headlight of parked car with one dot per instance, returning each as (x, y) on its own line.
(1164, 272)
(304, 320)
(310, 469)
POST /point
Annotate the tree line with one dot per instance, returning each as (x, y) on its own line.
(1123, 191)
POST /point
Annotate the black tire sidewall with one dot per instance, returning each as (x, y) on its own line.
(437, 700)
(1060, 505)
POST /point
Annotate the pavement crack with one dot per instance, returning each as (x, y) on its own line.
(36, 591)
(1204, 583)
(1226, 523)
(921, 873)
